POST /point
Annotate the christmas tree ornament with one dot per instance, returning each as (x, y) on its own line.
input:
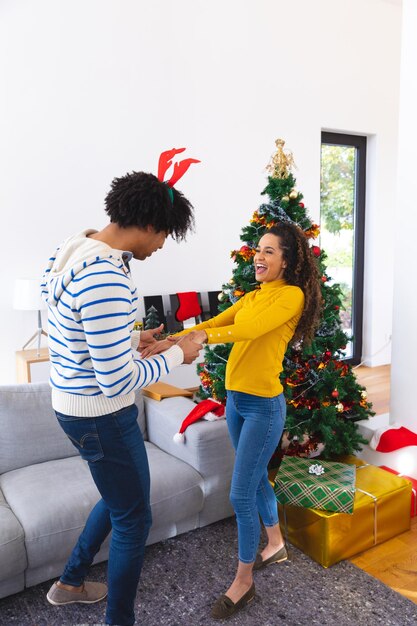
(281, 162)
(335, 393)
(293, 194)
(286, 198)
(340, 407)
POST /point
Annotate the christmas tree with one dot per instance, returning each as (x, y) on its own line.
(151, 319)
(324, 399)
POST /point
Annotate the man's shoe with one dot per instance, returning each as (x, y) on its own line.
(91, 592)
(278, 557)
(224, 607)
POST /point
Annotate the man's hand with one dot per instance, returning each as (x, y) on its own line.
(190, 347)
(147, 337)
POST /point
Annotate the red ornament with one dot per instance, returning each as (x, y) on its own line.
(335, 393)
(337, 307)
(301, 204)
(316, 251)
(323, 279)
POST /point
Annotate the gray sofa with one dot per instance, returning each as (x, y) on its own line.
(46, 490)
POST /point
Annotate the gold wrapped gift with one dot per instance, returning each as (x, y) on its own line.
(381, 511)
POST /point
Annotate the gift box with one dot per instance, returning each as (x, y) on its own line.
(413, 481)
(324, 485)
(381, 511)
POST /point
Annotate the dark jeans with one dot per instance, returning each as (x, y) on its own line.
(255, 427)
(113, 446)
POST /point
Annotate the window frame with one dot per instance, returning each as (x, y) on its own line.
(360, 143)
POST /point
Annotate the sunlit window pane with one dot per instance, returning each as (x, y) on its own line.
(337, 206)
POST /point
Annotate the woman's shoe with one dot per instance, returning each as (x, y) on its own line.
(278, 557)
(224, 607)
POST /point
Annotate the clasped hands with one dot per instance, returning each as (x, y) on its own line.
(190, 344)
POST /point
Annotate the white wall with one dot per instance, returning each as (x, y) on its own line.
(403, 239)
(94, 88)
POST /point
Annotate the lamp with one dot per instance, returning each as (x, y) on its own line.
(27, 297)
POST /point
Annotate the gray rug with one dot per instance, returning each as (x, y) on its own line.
(183, 576)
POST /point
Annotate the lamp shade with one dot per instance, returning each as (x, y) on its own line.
(27, 295)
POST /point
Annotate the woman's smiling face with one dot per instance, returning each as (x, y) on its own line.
(269, 259)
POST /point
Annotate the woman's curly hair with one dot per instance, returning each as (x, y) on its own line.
(141, 199)
(302, 271)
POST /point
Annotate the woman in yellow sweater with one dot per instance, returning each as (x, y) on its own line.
(260, 325)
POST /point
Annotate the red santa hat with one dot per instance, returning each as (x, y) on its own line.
(392, 437)
(207, 409)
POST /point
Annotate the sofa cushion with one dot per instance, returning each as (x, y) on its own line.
(177, 489)
(12, 545)
(207, 444)
(53, 499)
(29, 431)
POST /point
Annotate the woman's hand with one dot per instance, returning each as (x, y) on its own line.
(147, 337)
(199, 336)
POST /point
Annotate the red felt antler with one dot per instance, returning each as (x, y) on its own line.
(180, 169)
(165, 162)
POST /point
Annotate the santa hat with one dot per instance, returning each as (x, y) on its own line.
(207, 409)
(392, 437)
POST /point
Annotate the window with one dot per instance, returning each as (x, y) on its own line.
(342, 210)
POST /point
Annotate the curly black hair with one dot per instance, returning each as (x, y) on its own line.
(140, 199)
(302, 271)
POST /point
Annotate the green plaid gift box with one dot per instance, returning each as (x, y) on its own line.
(316, 484)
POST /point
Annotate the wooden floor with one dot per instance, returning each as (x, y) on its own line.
(395, 561)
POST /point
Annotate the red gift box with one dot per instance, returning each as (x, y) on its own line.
(413, 481)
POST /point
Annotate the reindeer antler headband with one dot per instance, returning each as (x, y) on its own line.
(165, 162)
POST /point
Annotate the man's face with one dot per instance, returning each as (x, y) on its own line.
(149, 242)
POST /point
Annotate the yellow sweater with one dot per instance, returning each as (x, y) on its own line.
(260, 325)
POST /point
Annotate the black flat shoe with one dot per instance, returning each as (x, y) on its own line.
(278, 557)
(224, 607)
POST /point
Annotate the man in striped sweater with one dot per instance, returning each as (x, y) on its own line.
(95, 370)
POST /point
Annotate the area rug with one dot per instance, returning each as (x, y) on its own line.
(183, 576)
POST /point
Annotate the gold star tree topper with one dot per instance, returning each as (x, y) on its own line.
(281, 162)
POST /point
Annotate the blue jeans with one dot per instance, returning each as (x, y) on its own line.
(255, 427)
(113, 447)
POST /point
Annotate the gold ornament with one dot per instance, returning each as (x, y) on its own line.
(293, 194)
(231, 281)
(286, 198)
(220, 296)
(364, 395)
(281, 162)
(340, 407)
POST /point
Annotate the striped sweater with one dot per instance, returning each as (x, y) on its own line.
(92, 303)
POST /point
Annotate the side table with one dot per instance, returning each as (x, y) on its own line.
(25, 359)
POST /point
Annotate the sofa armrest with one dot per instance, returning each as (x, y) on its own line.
(207, 446)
